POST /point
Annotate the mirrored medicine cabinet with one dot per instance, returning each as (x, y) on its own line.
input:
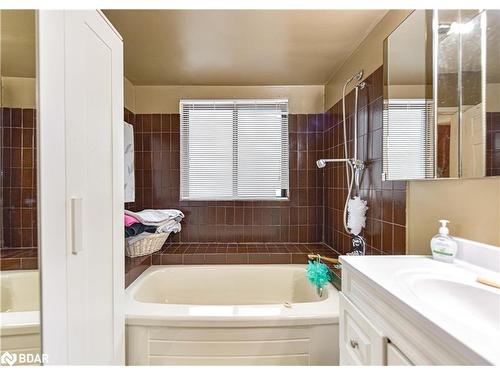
(442, 96)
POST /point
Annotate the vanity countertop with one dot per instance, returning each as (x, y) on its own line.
(443, 297)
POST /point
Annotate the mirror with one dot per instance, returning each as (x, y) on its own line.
(448, 95)
(472, 124)
(19, 281)
(408, 100)
(455, 135)
(492, 162)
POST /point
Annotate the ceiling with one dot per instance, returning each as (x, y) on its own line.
(162, 47)
(239, 47)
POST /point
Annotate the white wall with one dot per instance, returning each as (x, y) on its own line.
(493, 97)
(368, 56)
(165, 99)
(18, 92)
(406, 91)
(471, 205)
(128, 95)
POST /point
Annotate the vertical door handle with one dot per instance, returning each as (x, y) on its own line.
(76, 225)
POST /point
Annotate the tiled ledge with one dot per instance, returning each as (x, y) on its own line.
(18, 259)
(134, 267)
(226, 253)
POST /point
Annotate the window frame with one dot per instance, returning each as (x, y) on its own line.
(285, 172)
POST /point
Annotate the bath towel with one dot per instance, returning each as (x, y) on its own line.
(139, 228)
(129, 220)
(129, 174)
(156, 217)
(170, 226)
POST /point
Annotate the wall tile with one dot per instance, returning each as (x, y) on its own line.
(493, 144)
(18, 188)
(157, 163)
(315, 209)
(386, 217)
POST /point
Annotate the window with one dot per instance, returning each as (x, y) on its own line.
(234, 149)
(408, 150)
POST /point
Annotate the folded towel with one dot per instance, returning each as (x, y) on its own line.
(129, 220)
(156, 217)
(138, 228)
(170, 226)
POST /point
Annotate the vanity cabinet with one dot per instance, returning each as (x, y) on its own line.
(361, 343)
(374, 330)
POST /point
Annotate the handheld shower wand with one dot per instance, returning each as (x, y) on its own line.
(356, 164)
(353, 166)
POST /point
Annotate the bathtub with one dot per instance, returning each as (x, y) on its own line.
(230, 315)
(19, 313)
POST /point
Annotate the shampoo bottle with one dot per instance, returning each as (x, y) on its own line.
(443, 246)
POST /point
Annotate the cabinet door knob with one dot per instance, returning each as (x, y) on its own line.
(354, 343)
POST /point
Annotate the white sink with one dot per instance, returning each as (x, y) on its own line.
(443, 298)
(460, 299)
(474, 305)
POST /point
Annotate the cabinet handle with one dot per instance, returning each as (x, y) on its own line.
(76, 225)
(354, 343)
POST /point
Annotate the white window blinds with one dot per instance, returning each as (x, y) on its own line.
(408, 134)
(234, 149)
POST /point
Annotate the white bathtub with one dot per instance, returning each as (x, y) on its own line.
(19, 312)
(230, 315)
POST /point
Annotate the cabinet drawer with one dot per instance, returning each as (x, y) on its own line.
(360, 342)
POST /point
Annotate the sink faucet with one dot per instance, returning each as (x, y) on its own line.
(358, 246)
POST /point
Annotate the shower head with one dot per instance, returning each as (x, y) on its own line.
(321, 163)
(356, 77)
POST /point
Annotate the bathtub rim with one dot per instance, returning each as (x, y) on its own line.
(14, 322)
(17, 323)
(156, 314)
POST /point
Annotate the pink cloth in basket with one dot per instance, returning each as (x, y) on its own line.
(129, 220)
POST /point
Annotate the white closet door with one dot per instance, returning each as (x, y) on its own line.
(473, 142)
(81, 187)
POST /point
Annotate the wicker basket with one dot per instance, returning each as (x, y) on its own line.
(145, 246)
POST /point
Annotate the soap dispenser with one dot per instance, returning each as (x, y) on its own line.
(443, 246)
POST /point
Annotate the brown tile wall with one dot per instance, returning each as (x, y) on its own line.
(135, 266)
(493, 144)
(385, 226)
(157, 174)
(237, 253)
(18, 187)
(274, 232)
(18, 259)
